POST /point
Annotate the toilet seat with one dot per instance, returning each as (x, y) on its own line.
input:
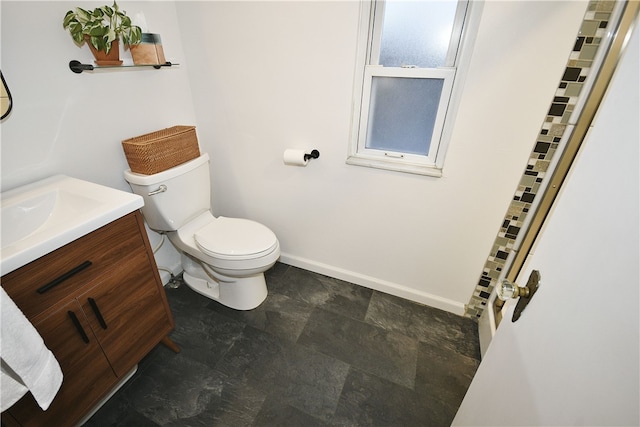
(235, 239)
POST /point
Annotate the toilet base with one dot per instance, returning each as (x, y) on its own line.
(242, 293)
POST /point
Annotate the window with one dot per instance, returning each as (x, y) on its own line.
(408, 56)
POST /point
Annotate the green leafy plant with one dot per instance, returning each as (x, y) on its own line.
(101, 26)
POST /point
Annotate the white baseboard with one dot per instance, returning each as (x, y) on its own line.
(425, 298)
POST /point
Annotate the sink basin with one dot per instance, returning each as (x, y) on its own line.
(41, 217)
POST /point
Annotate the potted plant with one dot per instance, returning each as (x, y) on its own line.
(102, 28)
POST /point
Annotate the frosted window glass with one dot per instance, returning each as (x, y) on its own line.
(402, 114)
(416, 33)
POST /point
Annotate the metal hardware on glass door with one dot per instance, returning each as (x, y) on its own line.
(507, 290)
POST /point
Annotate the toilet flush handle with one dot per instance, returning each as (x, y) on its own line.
(160, 189)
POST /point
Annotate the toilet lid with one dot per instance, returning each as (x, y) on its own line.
(235, 238)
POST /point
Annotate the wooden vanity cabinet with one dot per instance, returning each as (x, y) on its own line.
(87, 373)
(99, 321)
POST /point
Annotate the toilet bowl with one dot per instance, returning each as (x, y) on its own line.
(233, 252)
(223, 258)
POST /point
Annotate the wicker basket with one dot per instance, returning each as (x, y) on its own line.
(161, 150)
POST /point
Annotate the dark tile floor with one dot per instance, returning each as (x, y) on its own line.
(317, 352)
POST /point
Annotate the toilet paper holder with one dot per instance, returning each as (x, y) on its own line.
(313, 155)
(295, 157)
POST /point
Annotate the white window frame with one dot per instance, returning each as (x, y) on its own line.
(371, 16)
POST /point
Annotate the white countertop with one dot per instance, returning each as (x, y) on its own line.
(43, 216)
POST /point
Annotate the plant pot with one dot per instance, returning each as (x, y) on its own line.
(102, 58)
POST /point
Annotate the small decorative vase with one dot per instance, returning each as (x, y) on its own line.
(149, 51)
(102, 58)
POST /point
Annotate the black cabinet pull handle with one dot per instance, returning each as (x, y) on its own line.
(62, 278)
(96, 310)
(76, 322)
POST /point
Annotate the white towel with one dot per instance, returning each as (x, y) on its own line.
(27, 364)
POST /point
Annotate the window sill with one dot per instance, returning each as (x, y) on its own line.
(397, 166)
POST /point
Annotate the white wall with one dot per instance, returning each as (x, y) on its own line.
(73, 124)
(267, 76)
(272, 75)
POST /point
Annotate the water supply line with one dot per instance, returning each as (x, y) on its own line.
(173, 281)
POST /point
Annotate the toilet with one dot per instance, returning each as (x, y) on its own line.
(223, 258)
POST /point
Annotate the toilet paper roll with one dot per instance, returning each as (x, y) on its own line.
(295, 157)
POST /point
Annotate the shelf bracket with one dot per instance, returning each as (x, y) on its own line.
(77, 67)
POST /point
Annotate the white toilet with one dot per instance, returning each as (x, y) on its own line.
(223, 258)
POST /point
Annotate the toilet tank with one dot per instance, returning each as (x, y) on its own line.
(175, 196)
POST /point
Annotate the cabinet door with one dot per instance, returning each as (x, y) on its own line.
(86, 372)
(72, 266)
(127, 312)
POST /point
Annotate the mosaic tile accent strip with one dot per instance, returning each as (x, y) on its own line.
(547, 144)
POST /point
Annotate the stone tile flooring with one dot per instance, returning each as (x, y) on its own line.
(317, 352)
